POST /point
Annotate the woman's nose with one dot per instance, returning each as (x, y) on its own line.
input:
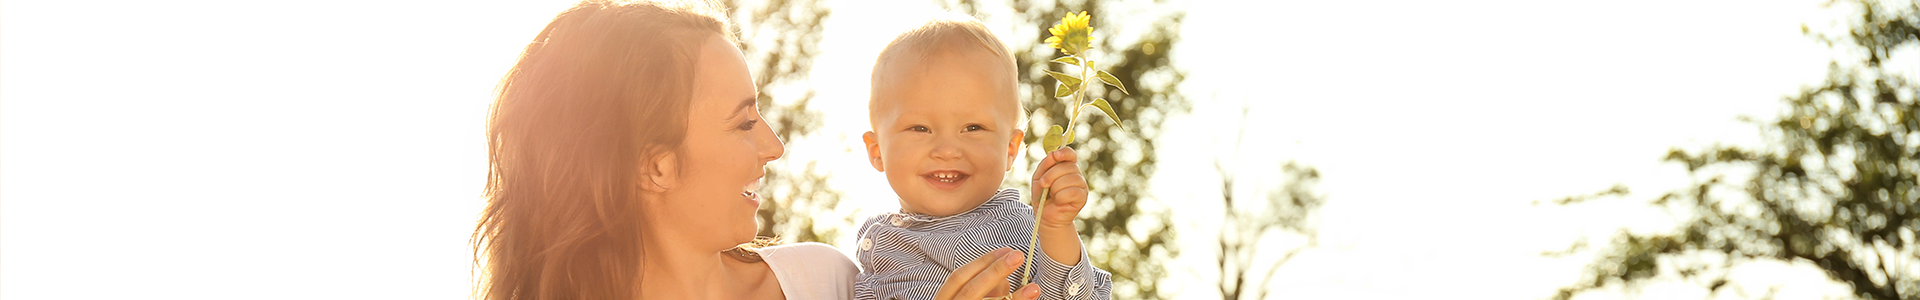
(770, 146)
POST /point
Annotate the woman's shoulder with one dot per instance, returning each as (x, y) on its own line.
(811, 270)
(809, 251)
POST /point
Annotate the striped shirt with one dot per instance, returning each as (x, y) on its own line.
(907, 256)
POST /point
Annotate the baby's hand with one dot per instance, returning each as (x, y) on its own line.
(1059, 175)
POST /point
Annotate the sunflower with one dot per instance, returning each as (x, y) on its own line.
(1071, 35)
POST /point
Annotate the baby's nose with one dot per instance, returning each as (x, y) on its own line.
(946, 151)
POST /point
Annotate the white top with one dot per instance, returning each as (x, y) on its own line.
(809, 271)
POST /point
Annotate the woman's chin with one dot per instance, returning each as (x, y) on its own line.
(746, 235)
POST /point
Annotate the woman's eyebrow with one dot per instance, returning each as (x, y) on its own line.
(744, 104)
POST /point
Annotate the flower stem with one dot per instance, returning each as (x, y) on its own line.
(1040, 197)
(1026, 276)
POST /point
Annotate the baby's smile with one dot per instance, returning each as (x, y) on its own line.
(945, 179)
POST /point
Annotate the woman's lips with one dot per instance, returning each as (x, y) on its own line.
(751, 197)
(752, 192)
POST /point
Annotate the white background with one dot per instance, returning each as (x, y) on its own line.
(333, 149)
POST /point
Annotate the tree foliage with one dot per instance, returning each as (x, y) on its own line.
(1246, 225)
(780, 39)
(1247, 263)
(1834, 187)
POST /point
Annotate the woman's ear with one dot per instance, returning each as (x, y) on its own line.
(662, 174)
(873, 150)
(1013, 147)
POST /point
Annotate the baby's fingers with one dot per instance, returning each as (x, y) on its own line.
(1059, 163)
(1065, 154)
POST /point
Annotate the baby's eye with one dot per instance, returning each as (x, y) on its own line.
(748, 125)
(975, 127)
(919, 128)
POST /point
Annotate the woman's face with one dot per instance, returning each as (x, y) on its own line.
(714, 195)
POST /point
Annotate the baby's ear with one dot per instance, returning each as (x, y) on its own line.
(1013, 147)
(873, 150)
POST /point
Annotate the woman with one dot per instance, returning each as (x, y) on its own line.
(625, 147)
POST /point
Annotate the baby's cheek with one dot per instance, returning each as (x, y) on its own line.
(993, 178)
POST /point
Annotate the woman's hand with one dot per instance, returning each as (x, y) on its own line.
(986, 277)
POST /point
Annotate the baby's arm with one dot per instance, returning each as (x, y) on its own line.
(1078, 282)
(1059, 176)
(1062, 270)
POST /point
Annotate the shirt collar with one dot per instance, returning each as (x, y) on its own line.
(1004, 197)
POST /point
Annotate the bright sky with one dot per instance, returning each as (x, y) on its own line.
(324, 150)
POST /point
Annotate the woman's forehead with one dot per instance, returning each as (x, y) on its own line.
(721, 81)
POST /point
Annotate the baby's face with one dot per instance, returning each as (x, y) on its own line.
(945, 136)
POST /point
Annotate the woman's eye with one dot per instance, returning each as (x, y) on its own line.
(748, 125)
(919, 128)
(975, 127)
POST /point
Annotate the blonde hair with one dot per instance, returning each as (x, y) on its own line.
(602, 91)
(943, 33)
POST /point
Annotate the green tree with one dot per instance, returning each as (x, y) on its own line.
(1124, 231)
(1834, 186)
(780, 39)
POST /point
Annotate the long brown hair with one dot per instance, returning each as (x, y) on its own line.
(598, 94)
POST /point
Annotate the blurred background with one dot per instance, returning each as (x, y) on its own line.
(1692, 149)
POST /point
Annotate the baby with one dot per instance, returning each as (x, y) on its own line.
(945, 114)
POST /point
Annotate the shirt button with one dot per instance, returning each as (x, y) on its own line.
(898, 221)
(866, 244)
(1074, 289)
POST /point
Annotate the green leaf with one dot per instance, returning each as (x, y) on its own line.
(1068, 84)
(1068, 60)
(1064, 78)
(1065, 140)
(1107, 108)
(1052, 140)
(1113, 81)
(1063, 90)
